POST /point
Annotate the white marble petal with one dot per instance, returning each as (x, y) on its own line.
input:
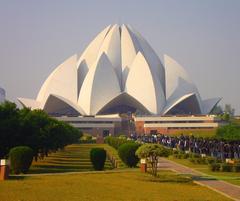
(62, 81)
(99, 87)
(141, 85)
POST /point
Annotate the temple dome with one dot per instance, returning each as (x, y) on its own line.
(119, 72)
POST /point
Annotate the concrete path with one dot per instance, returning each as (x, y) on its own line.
(225, 188)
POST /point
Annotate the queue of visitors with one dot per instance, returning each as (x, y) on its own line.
(212, 147)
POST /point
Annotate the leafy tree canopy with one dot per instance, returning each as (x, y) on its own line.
(35, 129)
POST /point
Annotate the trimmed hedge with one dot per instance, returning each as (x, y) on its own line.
(127, 153)
(236, 168)
(214, 167)
(115, 142)
(21, 159)
(225, 167)
(215, 164)
(98, 158)
(92, 141)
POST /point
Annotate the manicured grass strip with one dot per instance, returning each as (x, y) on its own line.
(231, 177)
(130, 186)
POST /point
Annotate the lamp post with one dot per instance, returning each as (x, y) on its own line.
(5, 169)
(143, 165)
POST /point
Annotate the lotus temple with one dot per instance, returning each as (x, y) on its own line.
(119, 79)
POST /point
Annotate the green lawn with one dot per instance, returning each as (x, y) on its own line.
(73, 158)
(115, 186)
(118, 184)
(231, 177)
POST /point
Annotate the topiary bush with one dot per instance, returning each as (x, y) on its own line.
(127, 153)
(115, 142)
(98, 158)
(214, 167)
(21, 159)
(210, 160)
(225, 167)
(192, 160)
(237, 167)
(186, 155)
(194, 155)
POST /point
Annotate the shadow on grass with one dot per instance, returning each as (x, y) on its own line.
(75, 157)
(16, 177)
(63, 160)
(38, 169)
(203, 178)
(169, 177)
(53, 162)
(41, 171)
(65, 167)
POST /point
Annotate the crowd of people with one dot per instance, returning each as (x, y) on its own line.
(211, 147)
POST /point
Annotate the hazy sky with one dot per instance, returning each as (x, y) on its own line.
(203, 36)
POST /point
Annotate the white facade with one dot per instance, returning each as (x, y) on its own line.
(2, 95)
(119, 71)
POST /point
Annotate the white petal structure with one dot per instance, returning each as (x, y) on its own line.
(62, 82)
(119, 72)
(100, 85)
(2, 95)
(148, 90)
(89, 56)
(179, 85)
(209, 104)
(33, 104)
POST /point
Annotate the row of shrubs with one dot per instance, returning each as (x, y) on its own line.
(195, 158)
(225, 167)
(115, 142)
(126, 152)
(87, 139)
(35, 129)
(126, 149)
(214, 163)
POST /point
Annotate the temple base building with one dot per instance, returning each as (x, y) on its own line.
(100, 125)
(175, 124)
(105, 125)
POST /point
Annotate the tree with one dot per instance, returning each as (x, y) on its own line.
(229, 132)
(152, 152)
(34, 129)
(229, 110)
(9, 127)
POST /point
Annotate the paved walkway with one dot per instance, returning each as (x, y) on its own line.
(227, 189)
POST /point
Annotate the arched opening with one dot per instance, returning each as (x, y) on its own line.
(123, 103)
(55, 106)
(188, 106)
